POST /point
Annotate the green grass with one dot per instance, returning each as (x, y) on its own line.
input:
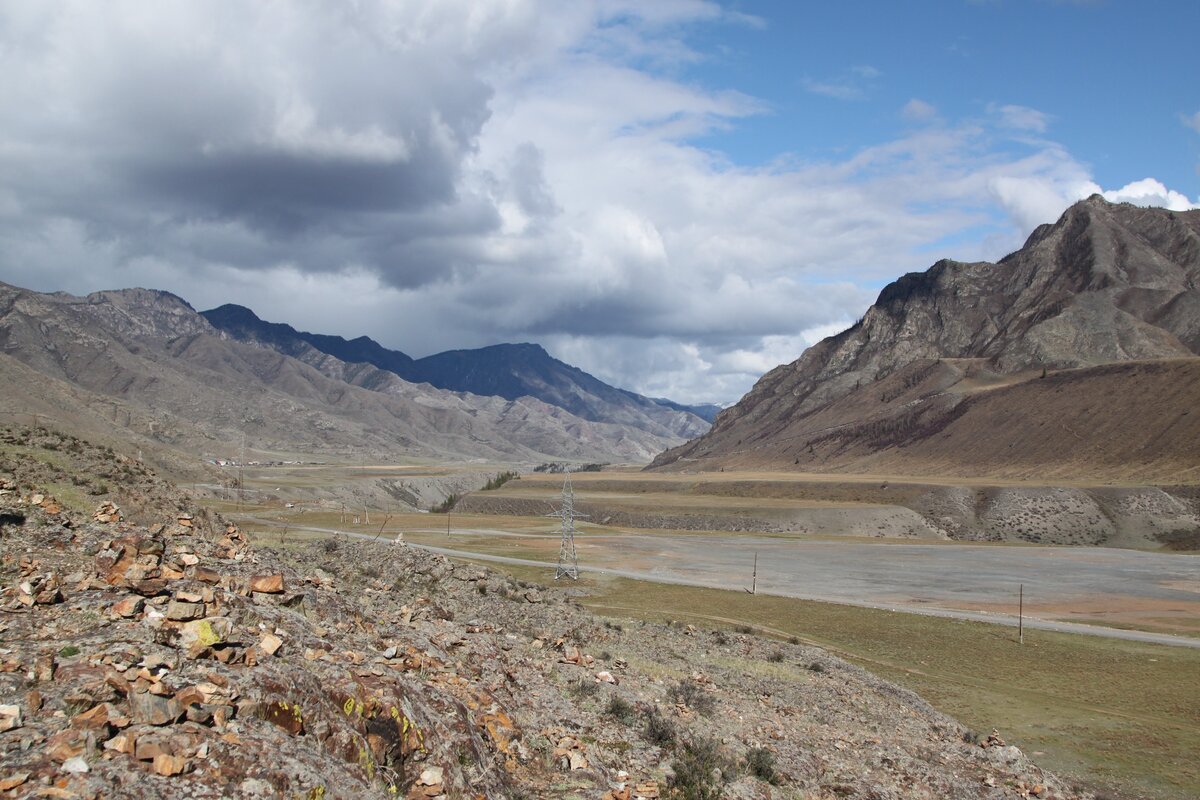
(1121, 717)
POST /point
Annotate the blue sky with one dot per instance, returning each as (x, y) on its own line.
(1115, 79)
(675, 195)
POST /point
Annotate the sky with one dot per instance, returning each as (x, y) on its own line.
(675, 196)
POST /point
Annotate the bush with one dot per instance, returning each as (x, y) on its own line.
(760, 762)
(658, 730)
(776, 657)
(621, 710)
(721, 637)
(691, 695)
(583, 687)
(447, 505)
(744, 629)
(700, 770)
(500, 480)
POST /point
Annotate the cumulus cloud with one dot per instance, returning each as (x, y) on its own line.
(454, 173)
(916, 110)
(1193, 121)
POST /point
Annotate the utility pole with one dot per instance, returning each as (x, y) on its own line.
(1021, 615)
(754, 577)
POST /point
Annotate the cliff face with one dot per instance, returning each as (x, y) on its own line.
(1106, 283)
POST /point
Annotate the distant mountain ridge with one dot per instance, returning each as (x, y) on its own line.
(146, 362)
(510, 371)
(904, 387)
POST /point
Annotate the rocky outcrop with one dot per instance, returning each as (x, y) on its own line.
(1105, 284)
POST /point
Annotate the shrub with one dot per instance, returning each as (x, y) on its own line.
(582, 688)
(691, 695)
(776, 657)
(721, 637)
(760, 762)
(700, 770)
(621, 710)
(658, 730)
(744, 629)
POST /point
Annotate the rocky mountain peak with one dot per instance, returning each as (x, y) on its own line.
(1105, 283)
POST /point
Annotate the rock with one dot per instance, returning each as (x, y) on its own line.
(533, 596)
(150, 587)
(189, 559)
(128, 607)
(43, 669)
(198, 635)
(10, 717)
(604, 676)
(48, 597)
(432, 776)
(184, 612)
(152, 709)
(76, 765)
(204, 575)
(270, 643)
(13, 781)
(101, 717)
(124, 742)
(267, 584)
(390, 652)
(168, 765)
(647, 790)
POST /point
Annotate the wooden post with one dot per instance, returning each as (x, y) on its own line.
(1021, 615)
(754, 577)
(447, 524)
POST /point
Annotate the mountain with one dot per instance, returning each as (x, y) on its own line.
(243, 324)
(509, 371)
(705, 411)
(146, 362)
(1074, 356)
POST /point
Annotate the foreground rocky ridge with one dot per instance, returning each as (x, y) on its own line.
(174, 659)
(999, 369)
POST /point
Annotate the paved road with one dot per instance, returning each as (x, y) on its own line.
(914, 578)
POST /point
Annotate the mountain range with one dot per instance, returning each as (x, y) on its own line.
(1074, 357)
(147, 362)
(510, 371)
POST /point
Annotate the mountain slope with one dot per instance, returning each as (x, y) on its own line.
(509, 371)
(150, 363)
(1106, 284)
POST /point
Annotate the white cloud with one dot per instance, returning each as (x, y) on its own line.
(1149, 192)
(1021, 118)
(454, 173)
(1193, 121)
(916, 110)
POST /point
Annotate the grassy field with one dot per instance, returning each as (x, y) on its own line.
(1120, 716)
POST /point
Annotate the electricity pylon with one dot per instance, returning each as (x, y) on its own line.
(568, 564)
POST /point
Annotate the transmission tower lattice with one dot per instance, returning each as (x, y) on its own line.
(568, 564)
